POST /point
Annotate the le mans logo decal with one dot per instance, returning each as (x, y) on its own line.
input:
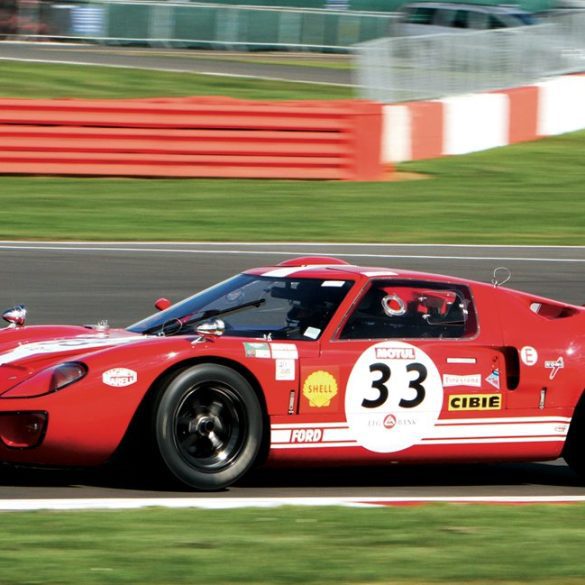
(119, 377)
(320, 388)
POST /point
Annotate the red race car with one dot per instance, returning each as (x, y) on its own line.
(314, 362)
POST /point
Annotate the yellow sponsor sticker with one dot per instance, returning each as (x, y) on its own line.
(320, 388)
(475, 402)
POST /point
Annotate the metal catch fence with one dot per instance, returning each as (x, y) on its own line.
(402, 69)
(387, 68)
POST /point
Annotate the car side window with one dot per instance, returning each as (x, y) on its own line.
(495, 22)
(460, 20)
(420, 15)
(478, 20)
(412, 310)
(444, 17)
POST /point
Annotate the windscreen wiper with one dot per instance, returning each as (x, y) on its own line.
(180, 324)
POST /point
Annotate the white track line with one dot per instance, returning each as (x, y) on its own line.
(223, 503)
(58, 248)
(291, 244)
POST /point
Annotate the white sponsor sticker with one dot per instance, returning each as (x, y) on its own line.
(395, 353)
(255, 349)
(312, 332)
(119, 377)
(469, 380)
(284, 351)
(393, 397)
(494, 379)
(285, 369)
(529, 356)
(333, 283)
(554, 366)
(461, 360)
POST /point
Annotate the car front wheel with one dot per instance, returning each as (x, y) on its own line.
(208, 426)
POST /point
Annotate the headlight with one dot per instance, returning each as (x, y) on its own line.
(47, 381)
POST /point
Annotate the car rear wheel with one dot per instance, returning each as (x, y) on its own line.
(208, 426)
(574, 451)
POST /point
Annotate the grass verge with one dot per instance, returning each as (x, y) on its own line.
(49, 80)
(524, 194)
(501, 545)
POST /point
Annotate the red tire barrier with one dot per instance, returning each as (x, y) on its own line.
(427, 129)
(523, 115)
(192, 137)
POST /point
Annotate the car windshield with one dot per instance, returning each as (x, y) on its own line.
(254, 306)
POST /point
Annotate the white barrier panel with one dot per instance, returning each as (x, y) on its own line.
(561, 105)
(396, 134)
(475, 122)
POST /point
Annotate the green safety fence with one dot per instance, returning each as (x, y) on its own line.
(321, 25)
(377, 5)
(221, 26)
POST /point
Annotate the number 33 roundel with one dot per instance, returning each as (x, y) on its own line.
(393, 397)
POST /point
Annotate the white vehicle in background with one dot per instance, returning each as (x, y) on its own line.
(422, 18)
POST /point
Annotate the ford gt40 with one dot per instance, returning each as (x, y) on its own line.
(311, 362)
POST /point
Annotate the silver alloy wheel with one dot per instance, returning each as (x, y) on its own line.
(210, 425)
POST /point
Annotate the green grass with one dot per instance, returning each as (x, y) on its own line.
(422, 545)
(314, 60)
(525, 194)
(48, 80)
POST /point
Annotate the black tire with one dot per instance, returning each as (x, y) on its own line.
(208, 426)
(574, 451)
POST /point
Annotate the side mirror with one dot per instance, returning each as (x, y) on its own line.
(211, 328)
(162, 304)
(16, 316)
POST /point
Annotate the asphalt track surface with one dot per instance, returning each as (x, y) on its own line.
(88, 282)
(222, 63)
